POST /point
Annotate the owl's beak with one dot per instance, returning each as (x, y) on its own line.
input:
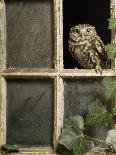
(82, 35)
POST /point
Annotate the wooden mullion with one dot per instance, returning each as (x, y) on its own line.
(65, 73)
(113, 32)
(29, 73)
(39, 150)
(75, 73)
(113, 35)
(23, 70)
(58, 83)
(60, 43)
(33, 153)
(58, 109)
(2, 35)
(2, 111)
(58, 34)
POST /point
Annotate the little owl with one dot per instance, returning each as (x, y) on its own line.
(87, 47)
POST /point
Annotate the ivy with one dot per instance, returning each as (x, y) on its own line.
(111, 138)
(82, 144)
(110, 87)
(112, 23)
(8, 148)
(73, 138)
(114, 111)
(97, 115)
(111, 51)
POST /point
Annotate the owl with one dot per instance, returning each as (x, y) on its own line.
(87, 47)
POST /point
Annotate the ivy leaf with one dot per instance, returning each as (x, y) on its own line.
(111, 51)
(72, 136)
(111, 138)
(114, 111)
(97, 115)
(112, 23)
(82, 145)
(66, 138)
(9, 148)
(76, 122)
(110, 87)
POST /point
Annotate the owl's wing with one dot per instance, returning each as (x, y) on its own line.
(100, 47)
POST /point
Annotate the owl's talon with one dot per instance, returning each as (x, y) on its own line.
(98, 69)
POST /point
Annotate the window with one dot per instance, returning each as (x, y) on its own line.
(38, 81)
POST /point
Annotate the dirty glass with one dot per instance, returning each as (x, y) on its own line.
(29, 33)
(78, 94)
(29, 112)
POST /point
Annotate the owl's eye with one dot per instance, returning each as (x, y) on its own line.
(88, 31)
(77, 31)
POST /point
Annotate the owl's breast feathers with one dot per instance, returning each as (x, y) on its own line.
(88, 52)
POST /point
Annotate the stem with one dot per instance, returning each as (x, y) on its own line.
(98, 140)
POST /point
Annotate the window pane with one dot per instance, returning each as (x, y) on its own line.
(29, 112)
(78, 95)
(29, 33)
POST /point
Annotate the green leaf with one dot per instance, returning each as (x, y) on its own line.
(76, 122)
(72, 136)
(111, 138)
(9, 148)
(114, 111)
(97, 115)
(111, 51)
(66, 138)
(112, 23)
(110, 87)
(82, 145)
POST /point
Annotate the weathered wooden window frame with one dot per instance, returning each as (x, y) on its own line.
(57, 74)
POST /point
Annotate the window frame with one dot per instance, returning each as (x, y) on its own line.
(58, 74)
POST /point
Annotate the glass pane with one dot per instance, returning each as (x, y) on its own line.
(29, 112)
(29, 33)
(78, 95)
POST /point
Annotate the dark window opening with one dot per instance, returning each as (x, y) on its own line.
(92, 12)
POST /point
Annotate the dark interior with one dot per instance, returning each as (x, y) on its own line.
(92, 12)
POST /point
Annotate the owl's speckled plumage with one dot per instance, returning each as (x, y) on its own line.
(87, 47)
